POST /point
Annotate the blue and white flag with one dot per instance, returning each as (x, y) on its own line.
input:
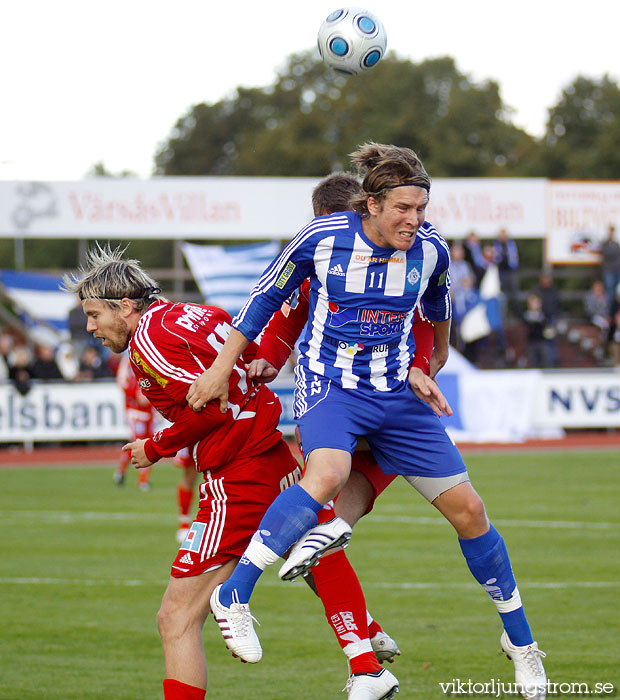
(486, 316)
(225, 275)
(39, 300)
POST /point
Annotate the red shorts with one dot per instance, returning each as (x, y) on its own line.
(232, 504)
(140, 424)
(364, 462)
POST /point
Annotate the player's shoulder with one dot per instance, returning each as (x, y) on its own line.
(328, 225)
(172, 322)
(427, 232)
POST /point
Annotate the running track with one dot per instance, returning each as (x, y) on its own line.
(92, 454)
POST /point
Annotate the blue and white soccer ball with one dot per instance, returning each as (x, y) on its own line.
(352, 40)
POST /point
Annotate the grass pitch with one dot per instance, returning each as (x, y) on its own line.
(85, 564)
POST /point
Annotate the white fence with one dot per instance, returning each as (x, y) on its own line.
(495, 405)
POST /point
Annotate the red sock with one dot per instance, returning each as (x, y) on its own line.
(374, 628)
(143, 475)
(124, 462)
(175, 690)
(345, 609)
(184, 498)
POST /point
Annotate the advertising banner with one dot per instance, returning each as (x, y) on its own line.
(578, 217)
(191, 208)
(489, 406)
(578, 399)
(459, 206)
(58, 411)
(172, 207)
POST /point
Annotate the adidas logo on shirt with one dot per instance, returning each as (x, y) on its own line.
(186, 559)
(336, 270)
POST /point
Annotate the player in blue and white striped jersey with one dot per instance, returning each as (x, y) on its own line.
(362, 299)
(368, 269)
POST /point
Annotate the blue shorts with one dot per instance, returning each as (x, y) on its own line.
(405, 435)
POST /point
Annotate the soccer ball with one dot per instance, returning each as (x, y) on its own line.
(352, 40)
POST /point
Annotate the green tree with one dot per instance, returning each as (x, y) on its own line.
(582, 131)
(100, 170)
(311, 118)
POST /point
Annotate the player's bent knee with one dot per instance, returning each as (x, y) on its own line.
(472, 520)
(176, 616)
(476, 514)
(173, 622)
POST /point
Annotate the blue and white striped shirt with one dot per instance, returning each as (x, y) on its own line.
(362, 299)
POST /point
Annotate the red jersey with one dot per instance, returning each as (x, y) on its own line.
(171, 347)
(285, 327)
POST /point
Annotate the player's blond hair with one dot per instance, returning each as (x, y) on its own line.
(383, 168)
(109, 277)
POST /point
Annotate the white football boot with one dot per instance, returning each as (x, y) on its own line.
(372, 686)
(236, 626)
(385, 647)
(530, 676)
(314, 544)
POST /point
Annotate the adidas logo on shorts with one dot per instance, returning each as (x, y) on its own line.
(186, 559)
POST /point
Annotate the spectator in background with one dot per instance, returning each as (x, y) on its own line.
(45, 365)
(92, 366)
(540, 348)
(610, 265)
(597, 308)
(80, 337)
(552, 309)
(614, 339)
(506, 258)
(464, 301)
(6, 346)
(21, 368)
(473, 255)
(462, 289)
(613, 319)
(67, 361)
(460, 269)
(491, 287)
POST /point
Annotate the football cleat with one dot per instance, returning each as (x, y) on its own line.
(236, 626)
(530, 676)
(119, 477)
(385, 647)
(314, 544)
(382, 685)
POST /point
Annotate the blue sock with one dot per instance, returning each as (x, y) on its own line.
(488, 561)
(290, 516)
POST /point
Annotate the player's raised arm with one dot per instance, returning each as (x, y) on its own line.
(213, 383)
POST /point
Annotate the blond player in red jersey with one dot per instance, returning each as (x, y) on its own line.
(241, 454)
